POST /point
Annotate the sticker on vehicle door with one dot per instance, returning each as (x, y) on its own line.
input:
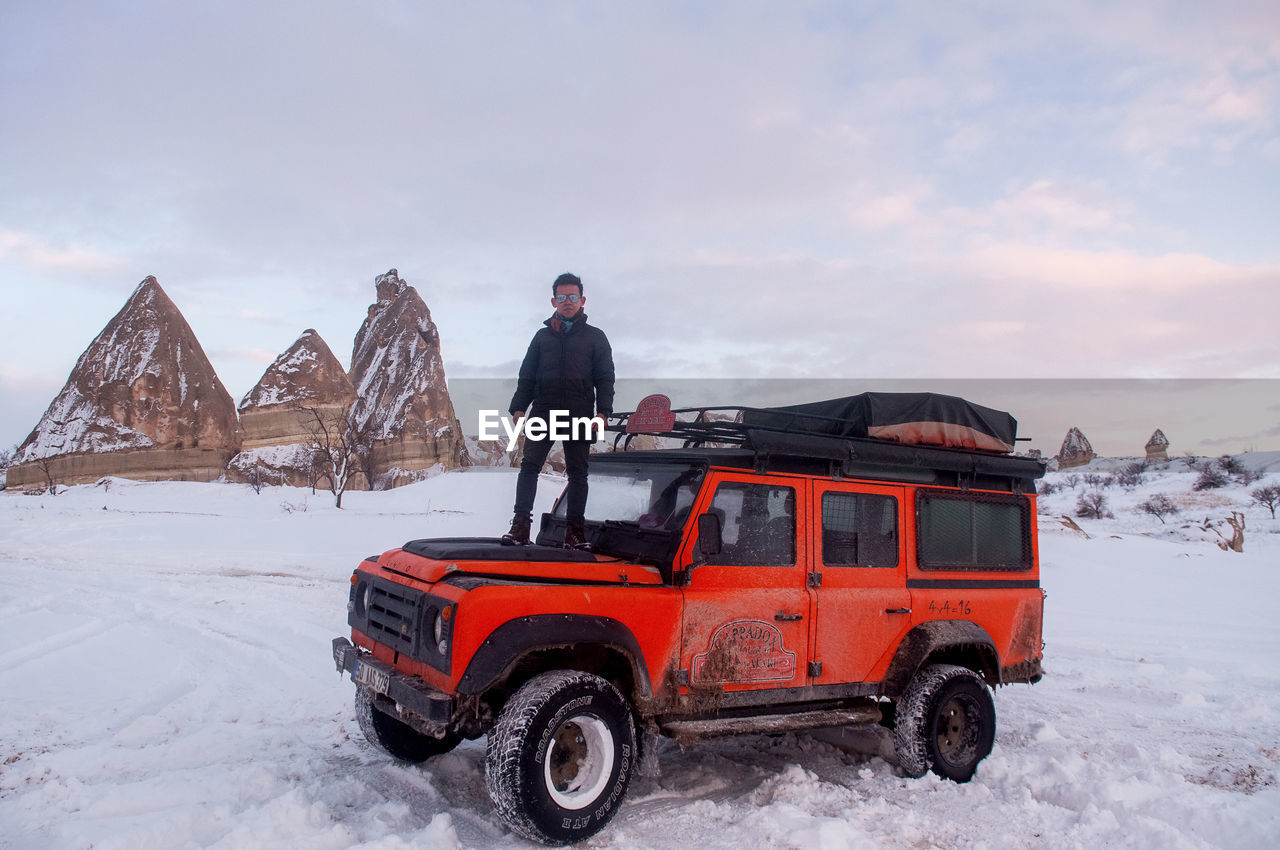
(744, 651)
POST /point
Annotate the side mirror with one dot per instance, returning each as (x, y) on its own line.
(710, 540)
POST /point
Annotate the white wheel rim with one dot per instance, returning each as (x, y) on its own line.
(579, 761)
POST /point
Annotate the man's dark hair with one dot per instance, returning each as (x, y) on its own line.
(567, 279)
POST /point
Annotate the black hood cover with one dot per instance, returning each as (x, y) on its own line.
(492, 549)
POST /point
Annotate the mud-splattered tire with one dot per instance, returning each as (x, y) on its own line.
(946, 722)
(561, 756)
(395, 738)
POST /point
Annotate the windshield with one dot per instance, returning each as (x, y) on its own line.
(652, 495)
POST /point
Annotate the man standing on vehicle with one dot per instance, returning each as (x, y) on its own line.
(567, 370)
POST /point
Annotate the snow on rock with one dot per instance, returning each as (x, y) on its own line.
(185, 697)
(403, 405)
(142, 401)
(306, 372)
(1158, 446)
(1075, 451)
(279, 415)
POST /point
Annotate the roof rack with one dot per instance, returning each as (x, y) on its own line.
(702, 429)
(782, 436)
(695, 433)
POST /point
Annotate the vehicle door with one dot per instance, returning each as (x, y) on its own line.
(862, 606)
(746, 611)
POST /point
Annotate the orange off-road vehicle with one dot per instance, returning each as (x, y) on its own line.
(869, 560)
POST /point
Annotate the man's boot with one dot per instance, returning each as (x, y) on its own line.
(575, 536)
(519, 533)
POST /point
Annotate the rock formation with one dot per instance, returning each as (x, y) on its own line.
(403, 410)
(142, 402)
(1075, 450)
(279, 415)
(1158, 446)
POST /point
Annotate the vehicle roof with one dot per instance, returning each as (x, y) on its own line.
(844, 458)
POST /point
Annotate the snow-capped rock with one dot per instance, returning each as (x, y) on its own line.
(278, 416)
(142, 402)
(1075, 451)
(403, 407)
(1158, 446)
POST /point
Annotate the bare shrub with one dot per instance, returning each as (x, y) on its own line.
(257, 478)
(1093, 505)
(1267, 497)
(1231, 465)
(1247, 476)
(1048, 488)
(1211, 478)
(1159, 506)
(1131, 476)
(50, 486)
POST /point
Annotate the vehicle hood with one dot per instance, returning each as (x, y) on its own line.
(437, 559)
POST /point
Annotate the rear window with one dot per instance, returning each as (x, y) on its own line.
(859, 530)
(972, 531)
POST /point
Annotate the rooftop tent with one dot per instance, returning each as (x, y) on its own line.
(914, 418)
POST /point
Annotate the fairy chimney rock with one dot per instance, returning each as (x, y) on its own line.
(403, 410)
(1158, 446)
(142, 402)
(279, 415)
(1075, 450)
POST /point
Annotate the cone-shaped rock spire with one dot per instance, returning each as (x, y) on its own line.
(403, 409)
(142, 402)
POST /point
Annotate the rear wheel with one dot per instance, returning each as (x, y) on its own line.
(946, 722)
(561, 756)
(394, 737)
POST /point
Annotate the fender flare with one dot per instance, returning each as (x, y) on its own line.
(940, 636)
(514, 639)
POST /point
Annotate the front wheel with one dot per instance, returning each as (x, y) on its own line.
(395, 738)
(946, 722)
(560, 757)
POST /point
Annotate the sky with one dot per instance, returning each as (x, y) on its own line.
(858, 191)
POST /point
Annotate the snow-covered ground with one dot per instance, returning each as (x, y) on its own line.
(166, 682)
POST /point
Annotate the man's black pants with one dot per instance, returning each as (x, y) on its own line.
(575, 461)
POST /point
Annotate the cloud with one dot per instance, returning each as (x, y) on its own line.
(39, 254)
(1119, 272)
(1058, 209)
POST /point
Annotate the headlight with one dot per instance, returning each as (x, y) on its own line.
(361, 599)
(440, 629)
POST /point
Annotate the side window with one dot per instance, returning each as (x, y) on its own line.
(973, 532)
(859, 530)
(758, 522)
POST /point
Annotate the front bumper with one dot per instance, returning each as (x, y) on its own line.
(418, 704)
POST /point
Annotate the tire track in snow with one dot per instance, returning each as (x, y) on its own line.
(39, 650)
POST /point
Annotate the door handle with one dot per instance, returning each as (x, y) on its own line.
(897, 610)
(787, 618)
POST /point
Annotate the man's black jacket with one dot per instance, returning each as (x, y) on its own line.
(566, 370)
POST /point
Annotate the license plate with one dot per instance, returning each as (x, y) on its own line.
(371, 678)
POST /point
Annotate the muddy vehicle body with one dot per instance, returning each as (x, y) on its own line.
(797, 577)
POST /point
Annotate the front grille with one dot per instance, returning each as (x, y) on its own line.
(400, 618)
(393, 615)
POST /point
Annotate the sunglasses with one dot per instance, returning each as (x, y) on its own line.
(572, 299)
